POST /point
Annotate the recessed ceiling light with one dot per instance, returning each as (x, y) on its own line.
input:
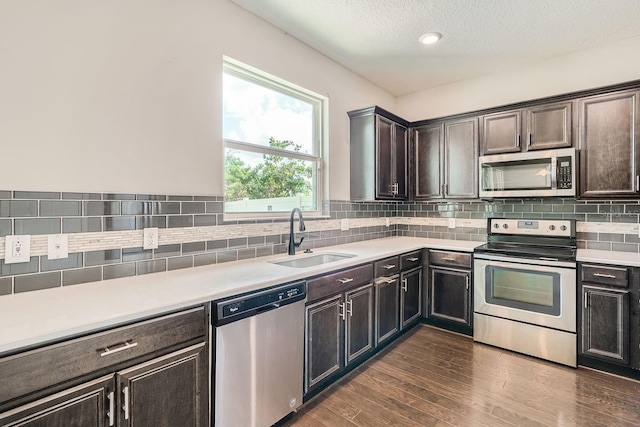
(430, 38)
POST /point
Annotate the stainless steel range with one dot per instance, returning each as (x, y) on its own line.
(525, 288)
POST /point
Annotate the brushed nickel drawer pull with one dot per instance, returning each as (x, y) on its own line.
(608, 276)
(124, 346)
(388, 281)
(389, 266)
(413, 259)
(448, 259)
(345, 280)
(405, 286)
(350, 307)
(342, 311)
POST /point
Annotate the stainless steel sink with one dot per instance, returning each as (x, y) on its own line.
(312, 260)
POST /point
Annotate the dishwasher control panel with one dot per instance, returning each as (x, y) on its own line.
(238, 307)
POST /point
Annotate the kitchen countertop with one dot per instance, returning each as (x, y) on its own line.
(35, 318)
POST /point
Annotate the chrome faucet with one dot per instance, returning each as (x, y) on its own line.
(292, 236)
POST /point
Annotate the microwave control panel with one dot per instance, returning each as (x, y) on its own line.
(564, 172)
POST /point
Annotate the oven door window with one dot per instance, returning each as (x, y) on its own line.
(536, 291)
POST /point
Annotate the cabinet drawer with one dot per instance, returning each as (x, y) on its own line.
(410, 260)
(387, 266)
(451, 259)
(97, 353)
(333, 283)
(612, 276)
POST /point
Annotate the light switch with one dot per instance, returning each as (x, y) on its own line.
(17, 249)
(58, 246)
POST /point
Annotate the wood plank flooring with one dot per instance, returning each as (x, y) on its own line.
(435, 378)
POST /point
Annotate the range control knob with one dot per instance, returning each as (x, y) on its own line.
(505, 225)
(552, 227)
(563, 227)
(496, 225)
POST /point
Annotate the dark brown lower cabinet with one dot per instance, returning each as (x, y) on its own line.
(339, 330)
(387, 308)
(450, 295)
(86, 405)
(605, 324)
(152, 373)
(410, 297)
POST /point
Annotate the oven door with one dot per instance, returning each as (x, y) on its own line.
(525, 291)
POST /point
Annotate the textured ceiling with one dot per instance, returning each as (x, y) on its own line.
(378, 39)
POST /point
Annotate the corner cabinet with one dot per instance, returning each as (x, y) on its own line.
(449, 291)
(609, 144)
(445, 160)
(149, 373)
(537, 127)
(378, 155)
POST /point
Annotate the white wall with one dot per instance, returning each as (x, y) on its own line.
(602, 66)
(125, 96)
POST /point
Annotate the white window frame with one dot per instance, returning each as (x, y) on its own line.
(320, 114)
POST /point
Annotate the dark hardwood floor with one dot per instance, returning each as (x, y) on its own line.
(435, 378)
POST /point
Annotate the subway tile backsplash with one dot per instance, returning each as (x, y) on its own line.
(606, 225)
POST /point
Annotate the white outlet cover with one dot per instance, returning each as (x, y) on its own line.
(57, 246)
(452, 223)
(344, 224)
(150, 238)
(17, 249)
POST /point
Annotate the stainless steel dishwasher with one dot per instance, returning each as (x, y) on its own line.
(259, 355)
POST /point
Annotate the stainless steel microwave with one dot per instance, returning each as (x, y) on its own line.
(543, 173)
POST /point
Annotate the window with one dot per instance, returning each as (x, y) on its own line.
(272, 135)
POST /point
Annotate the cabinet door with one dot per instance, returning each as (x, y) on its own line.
(501, 132)
(387, 308)
(549, 126)
(410, 297)
(359, 322)
(609, 145)
(605, 324)
(324, 335)
(461, 159)
(449, 295)
(400, 153)
(428, 143)
(168, 391)
(384, 158)
(87, 405)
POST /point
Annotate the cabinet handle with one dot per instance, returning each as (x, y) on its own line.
(413, 259)
(446, 189)
(608, 276)
(518, 141)
(345, 280)
(350, 307)
(342, 311)
(448, 259)
(404, 285)
(530, 137)
(389, 266)
(586, 300)
(388, 281)
(467, 282)
(637, 182)
(112, 402)
(124, 346)
(125, 407)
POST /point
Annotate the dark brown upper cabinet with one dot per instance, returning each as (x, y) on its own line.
(609, 141)
(445, 160)
(379, 155)
(534, 128)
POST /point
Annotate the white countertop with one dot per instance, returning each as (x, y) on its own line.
(34, 318)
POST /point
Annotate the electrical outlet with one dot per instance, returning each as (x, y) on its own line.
(344, 224)
(387, 222)
(17, 249)
(58, 246)
(452, 223)
(150, 238)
